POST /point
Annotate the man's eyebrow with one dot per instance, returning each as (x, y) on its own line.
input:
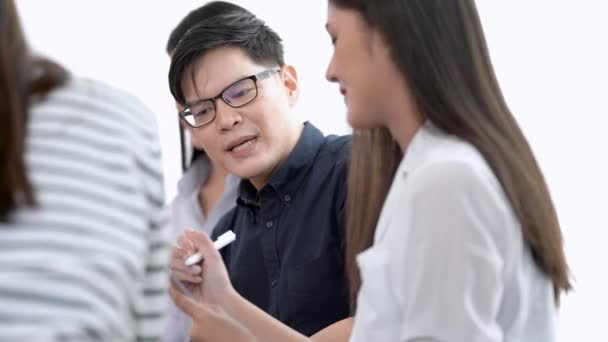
(188, 104)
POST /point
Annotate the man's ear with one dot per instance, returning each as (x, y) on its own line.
(290, 81)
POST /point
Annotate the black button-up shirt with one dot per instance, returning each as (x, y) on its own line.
(288, 257)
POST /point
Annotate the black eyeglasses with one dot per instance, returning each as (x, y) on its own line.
(238, 94)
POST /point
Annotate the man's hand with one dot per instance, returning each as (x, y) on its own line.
(210, 322)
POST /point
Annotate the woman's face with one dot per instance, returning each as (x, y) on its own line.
(363, 67)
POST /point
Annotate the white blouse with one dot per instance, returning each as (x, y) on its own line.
(186, 212)
(449, 262)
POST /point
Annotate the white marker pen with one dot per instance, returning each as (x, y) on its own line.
(221, 242)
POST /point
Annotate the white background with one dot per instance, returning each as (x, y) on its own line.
(550, 56)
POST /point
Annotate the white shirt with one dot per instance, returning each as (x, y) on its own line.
(186, 212)
(448, 261)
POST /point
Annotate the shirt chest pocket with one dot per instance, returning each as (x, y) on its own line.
(315, 276)
(377, 306)
(317, 284)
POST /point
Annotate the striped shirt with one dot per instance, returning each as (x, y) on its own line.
(89, 262)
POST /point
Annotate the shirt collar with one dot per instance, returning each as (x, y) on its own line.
(425, 138)
(288, 178)
(194, 176)
(197, 174)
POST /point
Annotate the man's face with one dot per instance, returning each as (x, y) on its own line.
(250, 141)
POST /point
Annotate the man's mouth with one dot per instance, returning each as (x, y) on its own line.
(243, 145)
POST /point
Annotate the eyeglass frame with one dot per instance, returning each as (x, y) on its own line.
(255, 78)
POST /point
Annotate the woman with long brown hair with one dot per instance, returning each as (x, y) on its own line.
(452, 233)
(82, 249)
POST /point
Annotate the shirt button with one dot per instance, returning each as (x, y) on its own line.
(269, 224)
(274, 282)
(287, 198)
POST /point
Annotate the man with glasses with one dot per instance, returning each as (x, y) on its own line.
(235, 93)
(203, 111)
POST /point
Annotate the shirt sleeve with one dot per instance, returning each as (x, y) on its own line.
(451, 265)
(341, 214)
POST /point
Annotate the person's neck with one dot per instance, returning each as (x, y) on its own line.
(260, 181)
(403, 130)
(217, 175)
(403, 120)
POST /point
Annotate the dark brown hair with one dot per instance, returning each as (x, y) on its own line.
(23, 78)
(373, 164)
(440, 48)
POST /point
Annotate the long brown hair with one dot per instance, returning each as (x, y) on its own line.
(440, 48)
(373, 163)
(23, 78)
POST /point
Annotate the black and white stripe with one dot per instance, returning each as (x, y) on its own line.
(89, 263)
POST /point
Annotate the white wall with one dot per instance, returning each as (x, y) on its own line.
(550, 57)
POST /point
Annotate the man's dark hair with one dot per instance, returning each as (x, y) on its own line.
(207, 11)
(229, 26)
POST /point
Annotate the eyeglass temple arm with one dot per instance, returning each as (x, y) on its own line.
(267, 73)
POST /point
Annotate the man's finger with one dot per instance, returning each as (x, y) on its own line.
(178, 253)
(178, 264)
(185, 243)
(186, 304)
(203, 244)
(195, 279)
(185, 272)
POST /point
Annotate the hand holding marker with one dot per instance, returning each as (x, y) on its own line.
(221, 242)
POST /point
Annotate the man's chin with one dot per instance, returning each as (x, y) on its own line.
(247, 171)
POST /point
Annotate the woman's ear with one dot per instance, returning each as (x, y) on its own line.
(290, 81)
(379, 44)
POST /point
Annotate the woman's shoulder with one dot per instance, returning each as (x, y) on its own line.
(456, 170)
(93, 101)
(436, 160)
(193, 177)
(450, 175)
